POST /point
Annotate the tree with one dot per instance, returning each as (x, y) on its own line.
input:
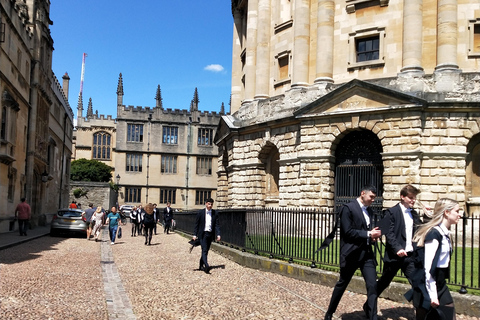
(90, 170)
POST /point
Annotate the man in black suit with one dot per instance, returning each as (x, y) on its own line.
(206, 226)
(402, 222)
(356, 239)
(167, 218)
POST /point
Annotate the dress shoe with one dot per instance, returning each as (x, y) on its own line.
(365, 309)
(207, 269)
(328, 316)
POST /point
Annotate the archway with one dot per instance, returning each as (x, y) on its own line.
(358, 162)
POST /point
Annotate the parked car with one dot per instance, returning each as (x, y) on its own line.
(68, 221)
(126, 209)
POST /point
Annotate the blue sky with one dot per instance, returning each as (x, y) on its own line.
(178, 45)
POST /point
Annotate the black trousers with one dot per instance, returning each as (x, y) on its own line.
(149, 232)
(367, 267)
(390, 270)
(205, 243)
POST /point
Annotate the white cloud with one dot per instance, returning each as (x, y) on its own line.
(214, 68)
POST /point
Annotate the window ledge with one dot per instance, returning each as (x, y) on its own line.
(353, 5)
(282, 82)
(366, 65)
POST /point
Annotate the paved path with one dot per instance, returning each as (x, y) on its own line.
(129, 280)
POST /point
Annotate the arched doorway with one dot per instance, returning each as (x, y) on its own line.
(358, 162)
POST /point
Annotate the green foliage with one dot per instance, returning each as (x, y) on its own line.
(113, 186)
(79, 192)
(90, 170)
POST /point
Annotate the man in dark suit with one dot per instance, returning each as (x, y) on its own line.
(167, 218)
(206, 226)
(356, 239)
(402, 222)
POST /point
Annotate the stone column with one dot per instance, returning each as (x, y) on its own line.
(263, 50)
(236, 95)
(325, 28)
(301, 42)
(251, 50)
(412, 36)
(447, 35)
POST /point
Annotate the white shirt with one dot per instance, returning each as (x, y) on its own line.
(407, 217)
(443, 261)
(365, 213)
(208, 220)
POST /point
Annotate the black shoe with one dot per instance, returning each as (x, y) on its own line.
(145, 242)
(365, 309)
(328, 316)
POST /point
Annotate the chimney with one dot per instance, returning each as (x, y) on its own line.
(66, 81)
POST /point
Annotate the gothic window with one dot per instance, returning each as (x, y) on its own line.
(3, 130)
(12, 177)
(168, 195)
(135, 133)
(101, 145)
(202, 195)
(205, 137)
(204, 165)
(270, 156)
(169, 164)
(134, 162)
(170, 135)
(133, 194)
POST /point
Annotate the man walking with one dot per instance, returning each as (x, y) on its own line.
(402, 221)
(23, 214)
(206, 226)
(356, 251)
(88, 219)
(167, 218)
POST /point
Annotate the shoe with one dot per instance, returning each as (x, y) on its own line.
(96, 240)
(328, 316)
(365, 309)
(145, 242)
(112, 243)
(207, 269)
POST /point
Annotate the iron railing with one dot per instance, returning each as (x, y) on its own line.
(295, 235)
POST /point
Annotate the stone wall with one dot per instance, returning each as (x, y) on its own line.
(98, 193)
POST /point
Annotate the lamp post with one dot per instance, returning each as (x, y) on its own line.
(118, 189)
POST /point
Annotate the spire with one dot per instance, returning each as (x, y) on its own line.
(222, 109)
(80, 106)
(120, 90)
(195, 101)
(90, 109)
(158, 97)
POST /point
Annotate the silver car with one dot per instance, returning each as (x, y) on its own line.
(68, 220)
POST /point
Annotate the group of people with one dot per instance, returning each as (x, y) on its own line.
(95, 219)
(144, 220)
(405, 233)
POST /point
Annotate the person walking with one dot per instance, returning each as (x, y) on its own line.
(356, 239)
(140, 213)
(113, 220)
(148, 223)
(167, 218)
(434, 236)
(134, 220)
(207, 225)
(402, 222)
(73, 205)
(97, 218)
(23, 214)
(88, 213)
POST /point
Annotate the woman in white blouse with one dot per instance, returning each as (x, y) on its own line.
(435, 236)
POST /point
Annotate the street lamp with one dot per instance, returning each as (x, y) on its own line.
(118, 189)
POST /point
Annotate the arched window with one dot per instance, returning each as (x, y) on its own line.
(101, 145)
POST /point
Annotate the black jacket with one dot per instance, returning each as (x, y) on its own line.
(200, 223)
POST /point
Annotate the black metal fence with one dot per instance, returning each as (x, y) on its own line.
(295, 235)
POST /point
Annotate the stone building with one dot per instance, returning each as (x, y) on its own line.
(329, 95)
(36, 119)
(159, 154)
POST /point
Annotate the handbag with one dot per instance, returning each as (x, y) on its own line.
(119, 232)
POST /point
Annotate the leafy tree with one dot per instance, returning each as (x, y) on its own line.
(90, 170)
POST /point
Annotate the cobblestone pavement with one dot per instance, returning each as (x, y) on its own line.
(72, 278)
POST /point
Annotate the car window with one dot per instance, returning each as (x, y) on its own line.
(69, 214)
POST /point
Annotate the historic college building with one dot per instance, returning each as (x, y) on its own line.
(329, 95)
(36, 120)
(160, 155)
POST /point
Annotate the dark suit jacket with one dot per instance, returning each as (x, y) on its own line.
(354, 234)
(167, 216)
(200, 223)
(396, 236)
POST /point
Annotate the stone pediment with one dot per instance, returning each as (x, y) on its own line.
(358, 96)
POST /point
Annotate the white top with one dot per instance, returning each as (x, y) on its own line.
(443, 262)
(208, 220)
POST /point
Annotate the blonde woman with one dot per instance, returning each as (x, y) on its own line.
(434, 235)
(98, 218)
